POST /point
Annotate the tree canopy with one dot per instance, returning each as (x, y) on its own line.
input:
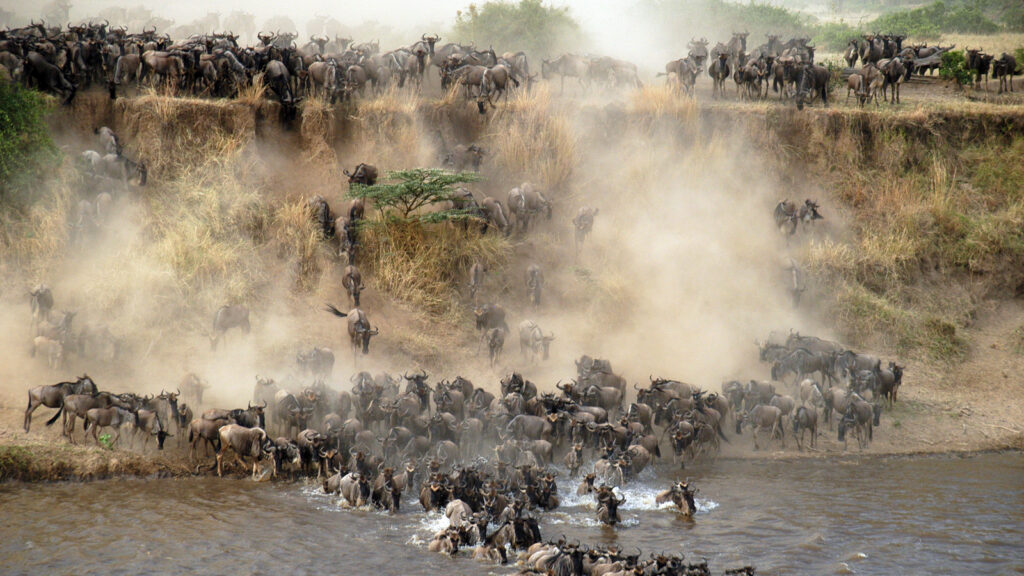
(529, 25)
(409, 190)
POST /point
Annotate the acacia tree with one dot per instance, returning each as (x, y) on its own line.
(410, 190)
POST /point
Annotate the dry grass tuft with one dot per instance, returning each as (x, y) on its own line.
(174, 135)
(423, 264)
(532, 141)
(317, 130)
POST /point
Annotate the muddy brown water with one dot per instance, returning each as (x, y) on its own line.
(927, 515)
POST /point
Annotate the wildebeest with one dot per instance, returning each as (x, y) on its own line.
(858, 417)
(566, 65)
(45, 76)
(812, 81)
(495, 214)
(681, 495)
(206, 430)
(495, 342)
(352, 280)
(148, 423)
(583, 223)
(364, 174)
(608, 505)
(533, 341)
(51, 350)
(476, 279)
(1004, 69)
(805, 420)
(319, 362)
(490, 316)
(243, 442)
(762, 417)
(52, 396)
(719, 72)
(42, 304)
(112, 417)
(226, 318)
(322, 215)
(534, 284)
(359, 329)
(802, 362)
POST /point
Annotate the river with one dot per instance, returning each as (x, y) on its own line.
(922, 515)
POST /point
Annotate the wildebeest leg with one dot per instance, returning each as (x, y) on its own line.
(32, 405)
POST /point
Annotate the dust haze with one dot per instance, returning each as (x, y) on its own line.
(683, 271)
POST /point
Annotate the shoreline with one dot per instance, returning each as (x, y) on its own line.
(38, 462)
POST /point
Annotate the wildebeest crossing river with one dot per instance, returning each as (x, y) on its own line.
(935, 515)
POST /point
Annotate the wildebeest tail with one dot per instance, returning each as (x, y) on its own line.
(330, 308)
(57, 415)
(718, 428)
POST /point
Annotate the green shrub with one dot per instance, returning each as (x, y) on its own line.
(834, 36)
(25, 144)
(540, 30)
(930, 21)
(954, 67)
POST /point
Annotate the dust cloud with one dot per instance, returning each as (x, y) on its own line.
(683, 271)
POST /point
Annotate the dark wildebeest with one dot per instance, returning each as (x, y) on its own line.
(533, 340)
(803, 362)
(719, 72)
(52, 396)
(42, 304)
(364, 174)
(889, 380)
(813, 80)
(534, 284)
(490, 316)
(858, 417)
(894, 73)
(608, 506)
(38, 72)
(1005, 68)
(226, 318)
(352, 280)
(319, 362)
(321, 213)
(495, 342)
(251, 442)
(583, 222)
(805, 420)
(359, 330)
(680, 495)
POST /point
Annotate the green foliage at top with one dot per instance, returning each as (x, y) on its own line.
(25, 144)
(936, 18)
(834, 36)
(410, 190)
(954, 67)
(529, 25)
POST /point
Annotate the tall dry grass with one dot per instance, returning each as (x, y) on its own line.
(425, 264)
(531, 139)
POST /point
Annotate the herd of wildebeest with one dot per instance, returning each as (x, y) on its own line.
(62, 60)
(488, 456)
(490, 461)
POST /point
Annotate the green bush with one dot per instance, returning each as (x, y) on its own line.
(954, 67)
(539, 30)
(834, 36)
(934, 19)
(25, 144)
